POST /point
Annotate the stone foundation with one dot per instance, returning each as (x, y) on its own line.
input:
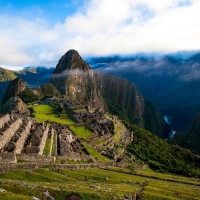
(34, 157)
(6, 158)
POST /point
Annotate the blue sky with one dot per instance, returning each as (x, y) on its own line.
(38, 33)
(51, 10)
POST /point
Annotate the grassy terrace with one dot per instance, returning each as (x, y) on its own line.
(96, 154)
(82, 131)
(46, 112)
(21, 184)
(47, 147)
(119, 128)
(54, 146)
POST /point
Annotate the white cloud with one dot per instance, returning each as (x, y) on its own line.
(103, 27)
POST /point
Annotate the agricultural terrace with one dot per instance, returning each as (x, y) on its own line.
(96, 154)
(93, 184)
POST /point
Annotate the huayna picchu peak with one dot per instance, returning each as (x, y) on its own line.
(71, 61)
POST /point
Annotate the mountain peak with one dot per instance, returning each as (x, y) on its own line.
(14, 88)
(71, 60)
(6, 75)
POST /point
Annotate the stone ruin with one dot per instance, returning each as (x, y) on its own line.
(22, 138)
(15, 106)
(36, 140)
(68, 145)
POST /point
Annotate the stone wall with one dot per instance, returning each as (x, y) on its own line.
(75, 156)
(10, 167)
(4, 119)
(71, 166)
(21, 141)
(34, 157)
(43, 141)
(34, 166)
(7, 158)
(9, 133)
(52, 136)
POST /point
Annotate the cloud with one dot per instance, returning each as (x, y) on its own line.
(100, 28)
(74, 72)
(181, 67)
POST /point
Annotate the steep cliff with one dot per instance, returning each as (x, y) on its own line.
(75, 79)
(190, 140)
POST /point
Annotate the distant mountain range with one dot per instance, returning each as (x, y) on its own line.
(31, 75)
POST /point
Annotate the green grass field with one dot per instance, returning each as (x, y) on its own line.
(82, 132)
(45, 112)
(21, 184)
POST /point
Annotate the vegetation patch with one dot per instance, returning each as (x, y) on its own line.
(47, 113)
(162, 156)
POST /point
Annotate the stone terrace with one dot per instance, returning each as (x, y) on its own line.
(20, 135)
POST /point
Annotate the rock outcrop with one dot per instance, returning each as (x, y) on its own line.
(47, 90)
(75, 79)
(19, 88)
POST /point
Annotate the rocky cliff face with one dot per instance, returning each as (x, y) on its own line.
(75, 79)
(192, 138)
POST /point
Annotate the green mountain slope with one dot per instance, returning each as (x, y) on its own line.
(163, 156)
